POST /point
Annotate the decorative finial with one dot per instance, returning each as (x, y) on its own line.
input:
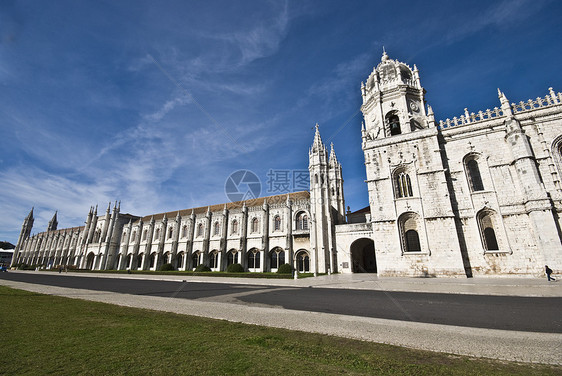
(384, 55)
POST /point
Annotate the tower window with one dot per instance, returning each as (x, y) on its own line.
(277, 223)
(403, 185)
(486, 221)
(408, 225)
(474, 177)
(393, 122)
(412, 241)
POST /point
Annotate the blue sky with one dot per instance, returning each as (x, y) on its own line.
(156, 103)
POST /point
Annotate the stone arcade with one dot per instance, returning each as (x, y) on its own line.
(480, 194)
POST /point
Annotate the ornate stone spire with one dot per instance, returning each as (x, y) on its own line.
(30, 215)
(317, 144)
(53, 223)
(333, 158)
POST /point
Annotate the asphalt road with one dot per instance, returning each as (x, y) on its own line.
(534, 314)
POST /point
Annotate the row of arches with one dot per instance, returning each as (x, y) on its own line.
(254, 260)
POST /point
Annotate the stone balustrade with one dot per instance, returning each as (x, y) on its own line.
(552, 99)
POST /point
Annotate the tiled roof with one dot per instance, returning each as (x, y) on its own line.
(302, 195)
(61, 231)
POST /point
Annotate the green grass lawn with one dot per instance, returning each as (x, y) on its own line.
(42, 334)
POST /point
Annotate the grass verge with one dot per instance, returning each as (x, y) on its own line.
(44, 334)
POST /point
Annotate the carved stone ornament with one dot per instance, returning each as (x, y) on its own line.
(414, 106)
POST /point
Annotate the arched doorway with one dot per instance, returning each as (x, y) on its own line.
(363, 256)
(90, 261)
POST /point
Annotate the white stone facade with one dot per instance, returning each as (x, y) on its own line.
(480, 194)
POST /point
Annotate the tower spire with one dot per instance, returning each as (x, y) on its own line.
(317, 144)
(333, 158)
(30, 215)
(53, 223)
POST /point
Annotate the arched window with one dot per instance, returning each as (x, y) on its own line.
(97, 236)
(157, 234)
(557, 153)
(486, 219)
(403, 185)
(200, 230)
(255, 223)
(235, 227)
(124, 237)
(303, 261)
(134, 236)
(216, 228)
(195, 260)
(180, 260)
(277, 258)
(232, 257)
(170, 232)
(393, 123)
(474, 177)
(412, 241)
(214, 260)
(184, 231)
(277, 223)
(152, 260)
(144, 234)
(302, 221)
(139, 260)
(254, 259)
(409, 232)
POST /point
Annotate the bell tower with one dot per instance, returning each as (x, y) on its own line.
(406, 176)
(393, 100)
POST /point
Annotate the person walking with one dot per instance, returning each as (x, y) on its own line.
(548, 273)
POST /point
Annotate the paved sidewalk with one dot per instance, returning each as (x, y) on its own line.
(489, 343)
(507, 286)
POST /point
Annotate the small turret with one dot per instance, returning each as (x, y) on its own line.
(506, 107)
